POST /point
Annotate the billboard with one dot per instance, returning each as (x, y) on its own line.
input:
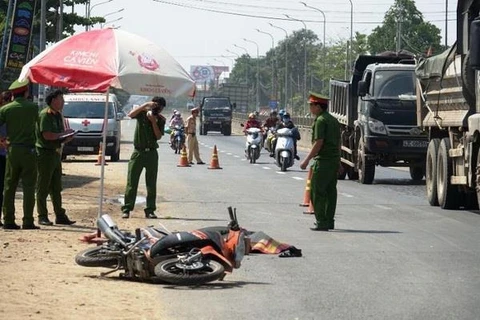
(20, 34)
(207, 73)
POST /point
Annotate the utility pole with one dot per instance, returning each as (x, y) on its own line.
(399, 26)
(446, 23)
(43, 41)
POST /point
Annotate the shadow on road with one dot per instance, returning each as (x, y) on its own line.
(399, 182)
(363, 231)
(76, 181)
(217, 285)
(189, 219)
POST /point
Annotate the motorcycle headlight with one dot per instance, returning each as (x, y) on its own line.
(376, 126)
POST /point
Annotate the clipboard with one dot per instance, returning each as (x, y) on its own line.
(64, 136)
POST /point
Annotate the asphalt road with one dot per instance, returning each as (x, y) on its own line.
(392, 256)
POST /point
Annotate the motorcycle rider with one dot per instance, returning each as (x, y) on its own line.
(270, 122)
(252, 122)
(287, 122)
(177, 120)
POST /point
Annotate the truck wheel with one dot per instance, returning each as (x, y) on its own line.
(447, 193)
(343, 174)
(227, 131)
(352, 174)
(416, 173)
(366, 167)
(477, 187)
(203, 130)
(116, 156)
(431, 171)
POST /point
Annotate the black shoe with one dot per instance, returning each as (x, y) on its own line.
(200, 162)
(190, 163)
(297, 157)
(271, 155)
(64, 220)
(319, 229)
(11, 226)
(150, 215)
(45, 222)
(30, 227)
(1, 224)
(125, 215)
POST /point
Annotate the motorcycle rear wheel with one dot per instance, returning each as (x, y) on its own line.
(96, 257)
(171, 271)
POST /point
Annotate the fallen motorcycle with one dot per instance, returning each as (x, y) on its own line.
(181, 258)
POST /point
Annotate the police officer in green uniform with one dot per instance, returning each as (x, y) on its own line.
(326, 155)
(149, 129)
(50, 133)
(20, 117)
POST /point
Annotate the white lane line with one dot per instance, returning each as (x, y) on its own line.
(235, 156)
(222, 151)
(229, 153)
(382, 207)
(243, 159)
(267, 168)
(281, 172)
(346, 195)
(297, 178)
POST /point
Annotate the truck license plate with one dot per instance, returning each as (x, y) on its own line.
(415, 143)
(85, 148)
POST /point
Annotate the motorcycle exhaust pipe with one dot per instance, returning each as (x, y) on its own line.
(110, 230)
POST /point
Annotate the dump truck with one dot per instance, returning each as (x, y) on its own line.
(377, 115)
(449, 112)
(216, 115)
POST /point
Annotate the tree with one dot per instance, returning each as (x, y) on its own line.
(417, 35)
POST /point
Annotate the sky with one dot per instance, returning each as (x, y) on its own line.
(206, 32)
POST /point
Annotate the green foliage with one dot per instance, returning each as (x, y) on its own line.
(417, 35)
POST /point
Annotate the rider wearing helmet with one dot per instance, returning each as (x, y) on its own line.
(176, 120)
(287, 122)
(271, 122)
(252, 122)
(173, 114)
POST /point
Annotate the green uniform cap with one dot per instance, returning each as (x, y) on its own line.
(19, 86)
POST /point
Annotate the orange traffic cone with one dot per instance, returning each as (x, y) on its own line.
(214, 162)
(183, 158)
(306, 195)
(100, 158)
(310, 209)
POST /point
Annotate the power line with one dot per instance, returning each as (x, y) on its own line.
(272, 17)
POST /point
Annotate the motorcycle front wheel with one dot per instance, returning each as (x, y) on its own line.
(175, 272)
(96, 257)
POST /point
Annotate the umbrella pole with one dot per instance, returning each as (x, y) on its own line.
(102, 166)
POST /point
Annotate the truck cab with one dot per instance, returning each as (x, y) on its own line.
(216, 115)
(387, 111)
(377, 114)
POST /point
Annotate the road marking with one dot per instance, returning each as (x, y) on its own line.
(281, 172)
(267, 168)
(235, 156)
(229, 153)
(297, 178)
(382, 207)
(346, 195)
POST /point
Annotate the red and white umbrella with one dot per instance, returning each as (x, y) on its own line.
(99, 59)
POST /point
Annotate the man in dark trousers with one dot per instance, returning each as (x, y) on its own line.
(149, 129)
(20, 117)
(326, 155)
(50, 134)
